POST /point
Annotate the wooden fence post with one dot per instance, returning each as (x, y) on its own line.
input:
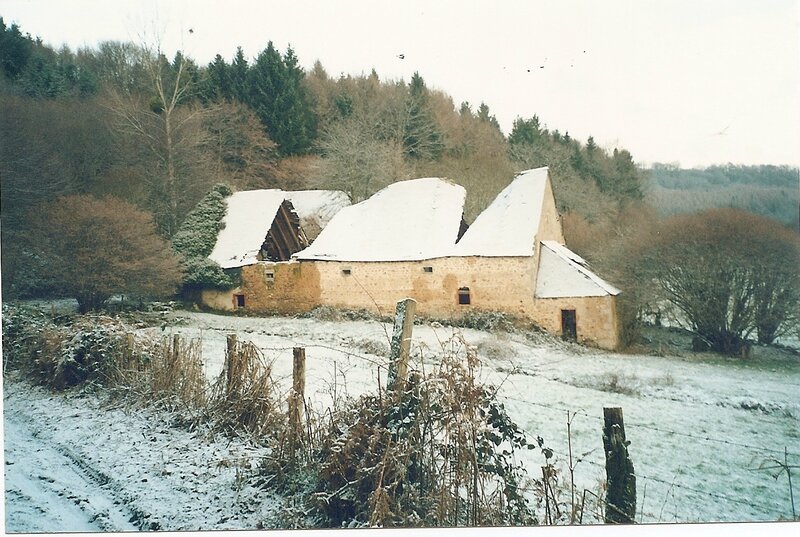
(620, 478)
(176, 349)
(401, 344)
(297, 398)
(129, 351)
(230, 360)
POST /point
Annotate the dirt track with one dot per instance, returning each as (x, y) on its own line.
(49, 489)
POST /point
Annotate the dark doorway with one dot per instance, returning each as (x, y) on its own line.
(569, 325)
(239, 300)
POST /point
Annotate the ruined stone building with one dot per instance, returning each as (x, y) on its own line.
(410, 240)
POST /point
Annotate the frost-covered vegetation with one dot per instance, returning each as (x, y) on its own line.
(700, 425)
(439, 452)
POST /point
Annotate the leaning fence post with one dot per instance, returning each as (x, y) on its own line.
(297, 397)
(129, 350)
(401, 344)
(620, 478)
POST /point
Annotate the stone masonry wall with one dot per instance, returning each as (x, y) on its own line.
(495, 284)
(596, 318)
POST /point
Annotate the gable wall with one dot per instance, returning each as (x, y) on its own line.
(294, 288)
(549, 227)
(550, 222)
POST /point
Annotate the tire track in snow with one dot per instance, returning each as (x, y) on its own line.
(48, 489)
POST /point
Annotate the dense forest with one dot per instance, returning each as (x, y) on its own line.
(772, 191)
(152, 134)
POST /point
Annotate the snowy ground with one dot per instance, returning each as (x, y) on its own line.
(80, 463)
(699, 428)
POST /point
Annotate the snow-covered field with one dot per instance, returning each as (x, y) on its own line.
(699, 428)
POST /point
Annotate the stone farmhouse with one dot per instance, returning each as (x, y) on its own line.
(410, 240)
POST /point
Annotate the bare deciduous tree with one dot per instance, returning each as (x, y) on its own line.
(729, 273)
(357, 161)
(243, 154)
(169, 125)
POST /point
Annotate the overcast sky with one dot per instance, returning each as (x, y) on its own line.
(691, 81)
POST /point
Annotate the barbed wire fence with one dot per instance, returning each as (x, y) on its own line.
(768, 511)
(670, 487)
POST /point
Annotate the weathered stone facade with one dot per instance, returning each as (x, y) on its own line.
(449, 285)
(493, 284)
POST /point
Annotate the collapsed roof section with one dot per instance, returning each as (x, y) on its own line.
(316, 208)
(266, 225)
(406, 221)
(248, 217)
(563, 273)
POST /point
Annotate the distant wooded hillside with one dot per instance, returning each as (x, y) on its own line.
(772, 191)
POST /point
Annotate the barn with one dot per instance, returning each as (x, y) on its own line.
(410, 240)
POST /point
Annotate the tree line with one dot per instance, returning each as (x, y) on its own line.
(772, 191)
(124, 122)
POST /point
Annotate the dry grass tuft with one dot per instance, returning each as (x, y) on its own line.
(245, 396)
(174, 376)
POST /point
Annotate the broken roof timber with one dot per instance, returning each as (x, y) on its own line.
(250, 216)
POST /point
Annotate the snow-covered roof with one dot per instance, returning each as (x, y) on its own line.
(247, 220)
(563, 273)
(406, 221)
(249, 216)
(316, 208)
(508, 226)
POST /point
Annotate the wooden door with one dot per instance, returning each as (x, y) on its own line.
(569, 325)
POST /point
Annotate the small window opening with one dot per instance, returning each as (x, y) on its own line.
(427, 269)
(239, 300)
(463, 295)
(269, 276)
(346, 272)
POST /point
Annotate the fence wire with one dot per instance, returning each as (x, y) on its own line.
(384, 364)
(759, 449)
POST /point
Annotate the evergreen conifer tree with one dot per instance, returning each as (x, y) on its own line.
(278, 97)
(422, 138)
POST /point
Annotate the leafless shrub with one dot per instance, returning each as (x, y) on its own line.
(330, 313)
(616, 382)
(665, 379)
(441, 453)
(372, 346)
(496, 349)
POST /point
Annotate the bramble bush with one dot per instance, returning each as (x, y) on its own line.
(439, 453)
